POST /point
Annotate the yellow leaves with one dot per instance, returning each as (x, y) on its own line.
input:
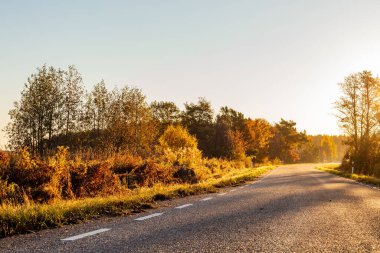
(177, 137)
(4, 160)
(25, 161)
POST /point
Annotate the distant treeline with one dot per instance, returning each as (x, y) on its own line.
(55, 110)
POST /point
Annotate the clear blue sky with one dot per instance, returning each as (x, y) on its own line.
(267, 59)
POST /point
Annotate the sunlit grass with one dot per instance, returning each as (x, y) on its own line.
(334, 169)
(16, 219)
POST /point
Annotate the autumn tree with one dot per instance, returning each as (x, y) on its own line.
(165, 113)
(238, 145)
(130, 122)
(358, 110)
(72, 93)
(229, 133)
(286, 141)
(34, 120)
(327, 149)
(96, 108)
(259, 131)
(198, 119)
(309, 151)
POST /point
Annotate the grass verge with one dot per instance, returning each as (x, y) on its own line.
(334, 169)
(33, 217)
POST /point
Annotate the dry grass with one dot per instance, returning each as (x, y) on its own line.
(334, 169)
(16, 219)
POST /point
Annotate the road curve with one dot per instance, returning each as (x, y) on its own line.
(293, 209)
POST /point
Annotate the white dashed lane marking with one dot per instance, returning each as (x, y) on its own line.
(80, 236)
(183, 206)
(149, 216)
(73, 238)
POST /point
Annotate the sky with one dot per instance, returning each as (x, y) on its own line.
(268, 59)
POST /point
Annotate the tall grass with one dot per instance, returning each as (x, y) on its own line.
(16, 219)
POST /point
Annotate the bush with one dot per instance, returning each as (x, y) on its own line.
(30, 174)
(176, 138)
(98, 180)
(59, 185)
(11, 193)
(185, 175)
(152, 172)
(4, 160)
(124, 163)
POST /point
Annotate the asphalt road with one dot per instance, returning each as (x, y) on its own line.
(293, 209)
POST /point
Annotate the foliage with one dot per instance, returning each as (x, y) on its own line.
(54, 111)
(15, 219)
(286, 142)
(358, 115)
(67, 144)
(198, 119)
(237, 145)
(96, 108)
(176, 138)
(165, 113)
(259, 133)
(131, 125)
(4, 162)
(230, 139)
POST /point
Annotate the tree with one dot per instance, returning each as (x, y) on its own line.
(286, 141)
(309, 151)
(96, 108)
(358, 111)
(327, 149)
(229, 124)
(198, 119)
(259, 132)
(34, 120)
(165, 113)
(237, 145)
(130, 123)
(72, 94)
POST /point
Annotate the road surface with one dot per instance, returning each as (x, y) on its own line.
(293, 209)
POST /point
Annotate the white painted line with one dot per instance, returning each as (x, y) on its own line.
(149, 216)
(232, 190)
(205, 199)
(221, 194)
(73, 238)
(183, 206)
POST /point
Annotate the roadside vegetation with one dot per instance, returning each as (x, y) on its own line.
(15, 219)
(358, 112)
(75, 154)
(336, 169)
